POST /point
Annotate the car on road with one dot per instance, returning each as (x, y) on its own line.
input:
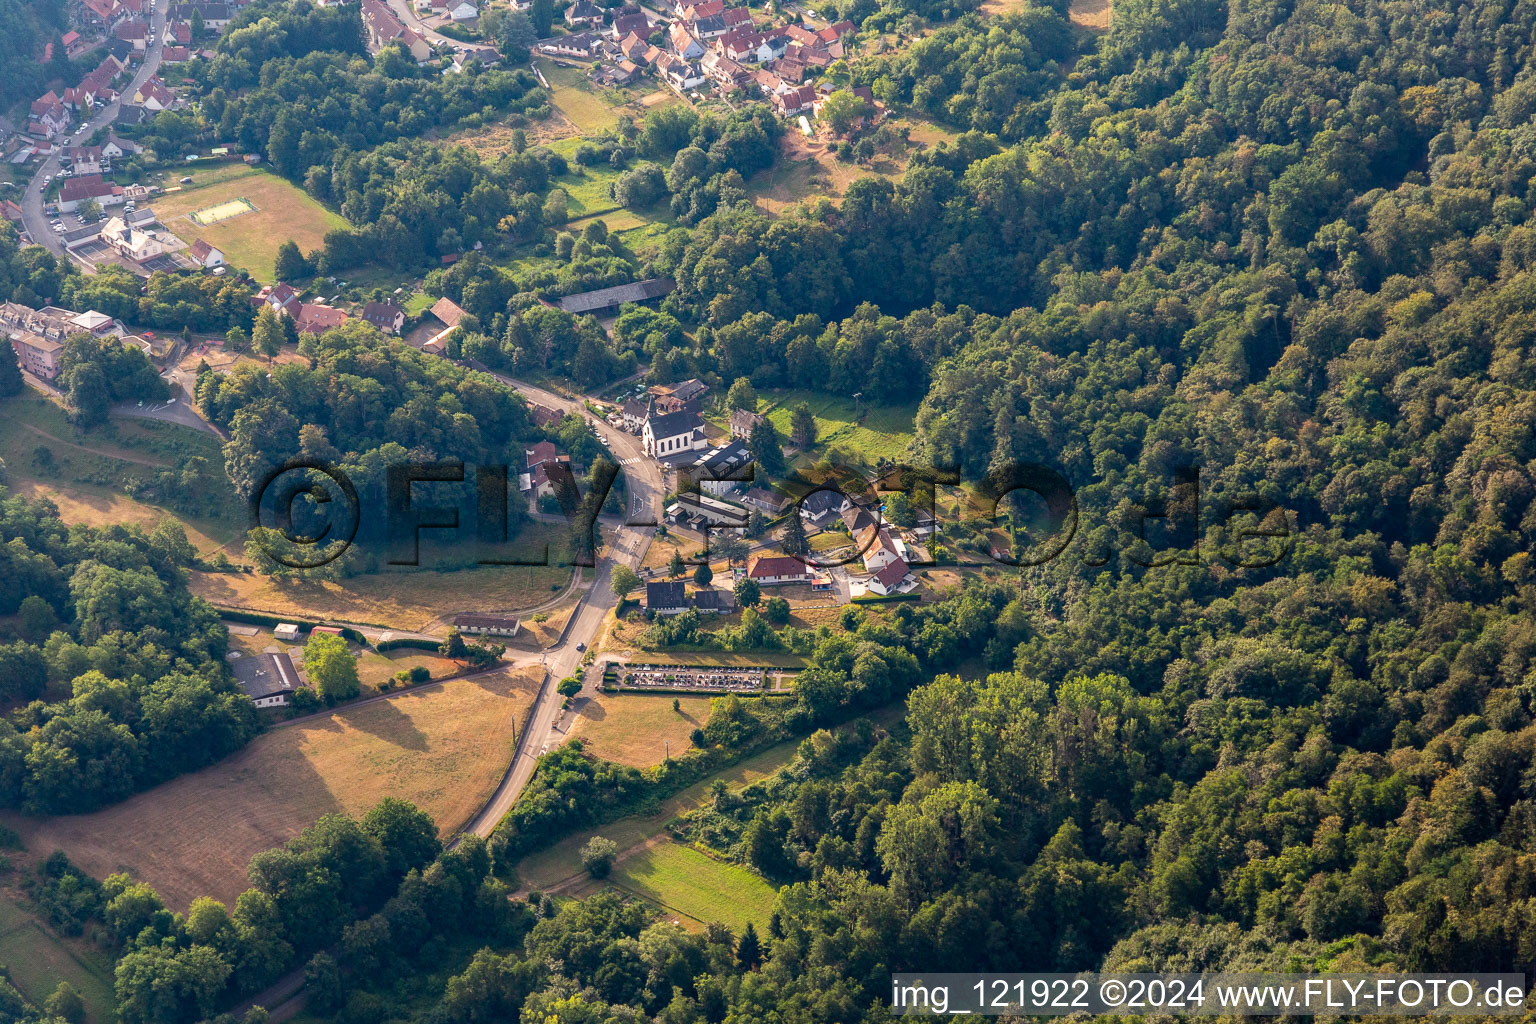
(581, 647)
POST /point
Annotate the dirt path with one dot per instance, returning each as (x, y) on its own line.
(138, 460)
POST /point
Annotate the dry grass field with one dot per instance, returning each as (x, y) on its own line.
(635, 729)
(444, 749)
(407, 598)
(250, 240)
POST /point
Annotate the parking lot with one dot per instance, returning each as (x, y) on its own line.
(701, 678)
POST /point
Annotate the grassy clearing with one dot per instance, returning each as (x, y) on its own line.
(547, 867)
(444, 749)
(878, 432)
(91, 469)
(683, 880)
(578, 99)
(403, 597)
(283, 213)
(36, 961)
(635, 729)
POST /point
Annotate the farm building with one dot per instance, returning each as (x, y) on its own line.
(610, 299)
(487, 625)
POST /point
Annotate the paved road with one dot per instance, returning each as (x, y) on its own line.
(407, 14)
(629, 545)
(32, 215)
(284, 999)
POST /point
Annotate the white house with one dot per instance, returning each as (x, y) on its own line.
(880, 548)
(888, 580)
(206, 255)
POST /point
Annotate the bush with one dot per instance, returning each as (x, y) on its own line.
(597, 856)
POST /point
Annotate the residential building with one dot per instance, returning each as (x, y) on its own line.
(90, 187)
(543, 417)
(584, 13)
(683, 42)
(889, 578)
(763, 500)
(456, 10)
(685, 396)
(281, 297)
(774, 570)
(722, 470)
(116, 148)
(581, 44)
(795, 101)
(668, 597)
(205, 255)
(386, 316)
(131, 243)
(742, 423)
(879, 547)
(819, 508)
(448, 311)
(154, 96)
(269, 680)
(314, 318)
(86, 160)
(629, 21)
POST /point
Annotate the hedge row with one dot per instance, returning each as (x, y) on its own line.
(265, 619)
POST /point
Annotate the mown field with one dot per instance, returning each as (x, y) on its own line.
(684, 881)
(877, 432)
(405, 597)
(444, 748)
(635, 728)
(36, 961)
(562, 860)
(283, 212)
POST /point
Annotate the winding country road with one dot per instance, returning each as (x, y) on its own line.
(284, 999)
(33, 215)
(629, 546)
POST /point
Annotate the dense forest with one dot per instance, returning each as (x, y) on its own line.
(1289, 244)
(100, 622)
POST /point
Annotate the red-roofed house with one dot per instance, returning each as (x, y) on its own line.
(205, 254)
(92, 187)
(313, 318)
(771, 570)
(134, 32)
(795, 101)
(889, 579)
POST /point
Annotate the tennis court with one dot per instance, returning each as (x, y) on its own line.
(221, 212)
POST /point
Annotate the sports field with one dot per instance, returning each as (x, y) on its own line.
(405, 598)
(443, 748)
(246, 213)
(683, 880)
(223, 211)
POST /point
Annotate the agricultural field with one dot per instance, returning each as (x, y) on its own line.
(401, 598)
(684, 881)
(870, 434)
(444, 749)
(281, 213)
(635, 729)
(560, 862)
(36, 960)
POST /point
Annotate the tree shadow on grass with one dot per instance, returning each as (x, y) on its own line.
(387, 722)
